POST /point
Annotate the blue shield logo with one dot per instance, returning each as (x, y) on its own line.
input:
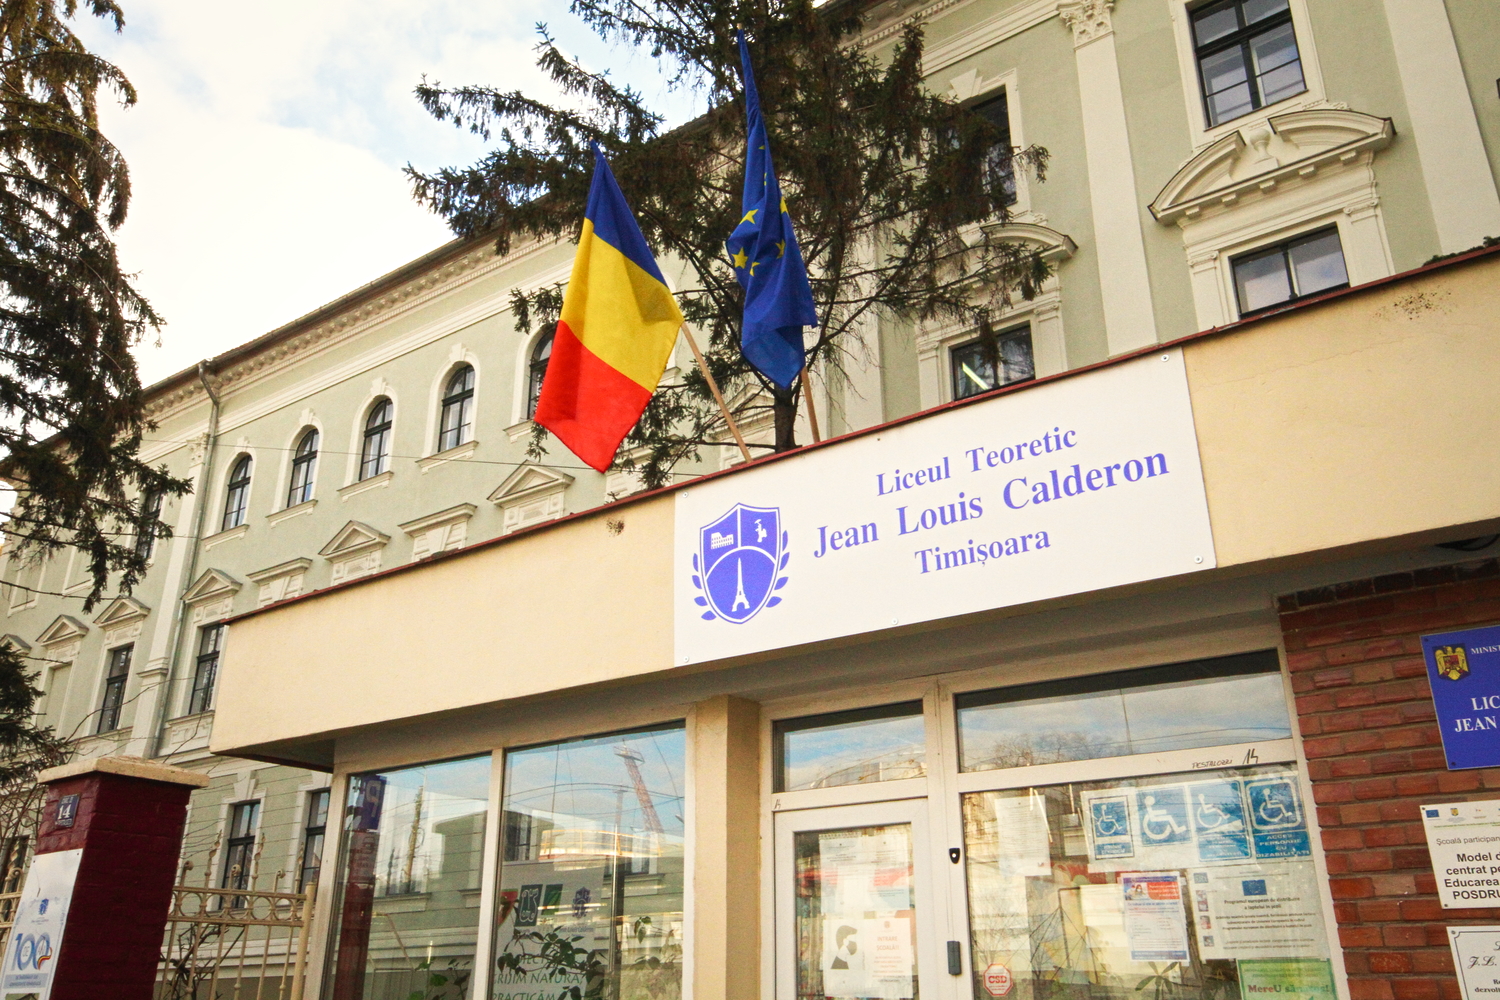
(737, 568)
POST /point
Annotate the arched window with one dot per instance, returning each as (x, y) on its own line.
(237, 498)
(375, 455)
(540, 355)
(458, 409)
(304, 465)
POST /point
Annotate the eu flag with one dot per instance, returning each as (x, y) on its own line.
(767, 262)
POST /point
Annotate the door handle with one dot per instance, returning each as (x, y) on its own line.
(955, 959)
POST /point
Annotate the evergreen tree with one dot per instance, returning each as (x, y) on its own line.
(71, 407)
(887, 184)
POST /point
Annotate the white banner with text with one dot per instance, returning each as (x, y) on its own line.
(1073, 486)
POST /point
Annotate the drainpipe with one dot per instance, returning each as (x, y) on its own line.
(163, 704)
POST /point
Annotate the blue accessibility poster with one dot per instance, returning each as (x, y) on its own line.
(1464, 671)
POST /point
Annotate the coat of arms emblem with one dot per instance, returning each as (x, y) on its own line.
(1452, 661)
(737, 568)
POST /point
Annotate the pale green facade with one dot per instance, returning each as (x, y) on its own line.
(1143, 212)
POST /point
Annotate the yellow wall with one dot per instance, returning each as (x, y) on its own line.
(1367, 418)
(1373, 416)
(483, 627)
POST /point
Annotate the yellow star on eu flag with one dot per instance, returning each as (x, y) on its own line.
(739, 257)
(783, 204)
(781, 248)
(750, 215)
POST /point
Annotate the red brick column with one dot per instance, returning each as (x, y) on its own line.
(1375, 754)
(129, 821)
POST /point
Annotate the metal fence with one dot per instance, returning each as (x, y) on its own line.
(236, 941)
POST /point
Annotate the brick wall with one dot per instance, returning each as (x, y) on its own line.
(1375, 754)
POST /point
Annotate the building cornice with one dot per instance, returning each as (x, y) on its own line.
(417, 284)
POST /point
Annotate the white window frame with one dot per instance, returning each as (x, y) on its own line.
(944, 784)
(1201, 133)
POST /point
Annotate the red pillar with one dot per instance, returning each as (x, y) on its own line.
(127, 818)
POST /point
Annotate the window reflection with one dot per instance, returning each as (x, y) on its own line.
(591, 874)
(851, 748)
(1196, 886)
(409, 918)
(1234, 699)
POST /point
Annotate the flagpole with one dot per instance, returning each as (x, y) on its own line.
(812, 411)
(714, 385)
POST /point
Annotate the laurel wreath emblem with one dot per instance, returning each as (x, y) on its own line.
(702, 601)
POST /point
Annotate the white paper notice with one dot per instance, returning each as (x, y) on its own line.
(1258, 911)
(41, 916)
(868, 958)
(1155, 919)
(1022, 848)
(1476, 959)
(1464, 841)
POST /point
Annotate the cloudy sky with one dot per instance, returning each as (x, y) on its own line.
(267, 145)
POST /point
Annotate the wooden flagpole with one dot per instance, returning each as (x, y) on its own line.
(812, 411)
(714, 385)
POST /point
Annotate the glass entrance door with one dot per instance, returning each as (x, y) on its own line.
(854, 906)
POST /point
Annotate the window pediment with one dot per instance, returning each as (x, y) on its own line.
(280, 582)
(352, 539)
(530, 495)
(212, 585)
(65, 628)
(121, 611)
(1256, 159)
(15, 642)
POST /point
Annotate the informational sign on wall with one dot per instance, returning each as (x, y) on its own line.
(1463, 839)
(1464, 671)
(1476, 960)
(41, 916)
(1069, 487)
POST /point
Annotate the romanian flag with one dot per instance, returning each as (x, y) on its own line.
(615, 333)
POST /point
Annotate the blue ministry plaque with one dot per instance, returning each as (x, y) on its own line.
(1464, 671)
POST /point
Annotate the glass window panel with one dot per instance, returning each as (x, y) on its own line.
(856, 914)
(1261, 280)
(1259, 10)
(1318, 263)
(972, 371)
(1229, 104)
(1225, 710)
(409, 906)
(1282, 82)
(1194, 886)
(1235, 699)
(1224, 70)
(1214, 23)
(591, 868)
(851, 748)
(1016, 360)
(1277, 67)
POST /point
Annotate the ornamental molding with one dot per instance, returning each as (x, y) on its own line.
(350, 323)
(901, 20)
(211, 585)
(64, 628)
(120, 612)
(1089, 19)
(530, 495)
(352, 539)
(1260, 158)
(20, 646)
(280, 582)
(1054, 247)
(443, 518)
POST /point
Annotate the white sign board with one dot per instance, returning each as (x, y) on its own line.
(41, 915)
(1464, 841)
(1476, 960)
(1073, 486)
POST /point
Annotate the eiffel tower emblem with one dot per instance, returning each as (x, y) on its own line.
(740, 601)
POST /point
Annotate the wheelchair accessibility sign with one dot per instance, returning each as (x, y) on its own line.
(1277, 820)
(1191, 824)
